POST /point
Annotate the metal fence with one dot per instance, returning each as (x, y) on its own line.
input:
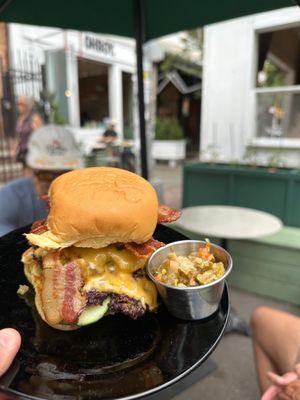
(24, 77)
(9, 169)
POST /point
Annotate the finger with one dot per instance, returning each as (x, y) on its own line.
(273, 377)
(282, 380)
(288, 378)
(10, 341)
(271, 393)
(297, 369)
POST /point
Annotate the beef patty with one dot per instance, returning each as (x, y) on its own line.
(119, 303)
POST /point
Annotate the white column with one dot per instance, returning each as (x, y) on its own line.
(72, 92)
(115, 97)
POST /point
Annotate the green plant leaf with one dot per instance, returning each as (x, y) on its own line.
(168, 129)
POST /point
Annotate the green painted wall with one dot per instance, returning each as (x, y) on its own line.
(269, 266)
(276, 192)
(266, 268)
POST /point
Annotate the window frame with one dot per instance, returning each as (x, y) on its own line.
(264, 141)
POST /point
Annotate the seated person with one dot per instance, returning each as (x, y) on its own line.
(128, 159)
(276, 341)
(51, 152)
(110, 135)
(20, 205)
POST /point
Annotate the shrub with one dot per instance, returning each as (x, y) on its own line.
(168, 129)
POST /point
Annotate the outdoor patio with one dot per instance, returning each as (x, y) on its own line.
(171, 178)
(201, 101)
(235, 376)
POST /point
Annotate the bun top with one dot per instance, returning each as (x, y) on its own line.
(94, 207)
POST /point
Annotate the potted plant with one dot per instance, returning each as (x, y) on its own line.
(169, 143)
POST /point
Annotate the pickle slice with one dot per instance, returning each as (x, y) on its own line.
(93, 313)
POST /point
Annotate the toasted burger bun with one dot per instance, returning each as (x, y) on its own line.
(95, 207)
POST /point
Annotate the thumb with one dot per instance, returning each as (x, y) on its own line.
(10, 341)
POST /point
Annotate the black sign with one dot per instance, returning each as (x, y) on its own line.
(100, 45)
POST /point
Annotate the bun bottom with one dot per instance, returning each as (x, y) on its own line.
(39, 307)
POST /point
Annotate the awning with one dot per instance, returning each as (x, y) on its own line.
(178, 82)
(162, 17)
(142, 19)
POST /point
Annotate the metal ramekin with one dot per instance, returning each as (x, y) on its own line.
(196, 302)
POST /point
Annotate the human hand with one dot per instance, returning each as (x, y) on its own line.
(291, 391)
(282, 385)
(10, 342)
(36, 121)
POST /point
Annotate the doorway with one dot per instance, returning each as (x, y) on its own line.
(127, 85)
(93, 92)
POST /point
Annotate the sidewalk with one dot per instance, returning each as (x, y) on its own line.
(235, 376)
(172, 180)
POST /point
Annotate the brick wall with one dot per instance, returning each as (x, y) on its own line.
(4, 45)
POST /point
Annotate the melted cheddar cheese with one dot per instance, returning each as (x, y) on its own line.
(110, 256)
(110, 270)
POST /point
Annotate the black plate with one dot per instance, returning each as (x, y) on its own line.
(115, 358)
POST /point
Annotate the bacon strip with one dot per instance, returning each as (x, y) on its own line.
(144, 250)
(61, 297)
(39, 227)
(167, 214)
(73, 302)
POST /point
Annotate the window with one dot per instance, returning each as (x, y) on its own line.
(278, 84)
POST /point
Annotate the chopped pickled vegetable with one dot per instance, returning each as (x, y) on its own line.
(199, 268)
(22, 289)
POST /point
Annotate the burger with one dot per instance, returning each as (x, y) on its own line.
(87, 259)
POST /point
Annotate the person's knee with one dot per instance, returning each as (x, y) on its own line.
(259, 318)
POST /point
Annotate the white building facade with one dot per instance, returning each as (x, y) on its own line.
(251, 87)
(92, 77)
(80, 61)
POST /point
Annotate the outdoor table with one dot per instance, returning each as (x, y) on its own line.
(115, 143)
(107, 154)
(228, 222)
(99, 146)
(119, 153)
